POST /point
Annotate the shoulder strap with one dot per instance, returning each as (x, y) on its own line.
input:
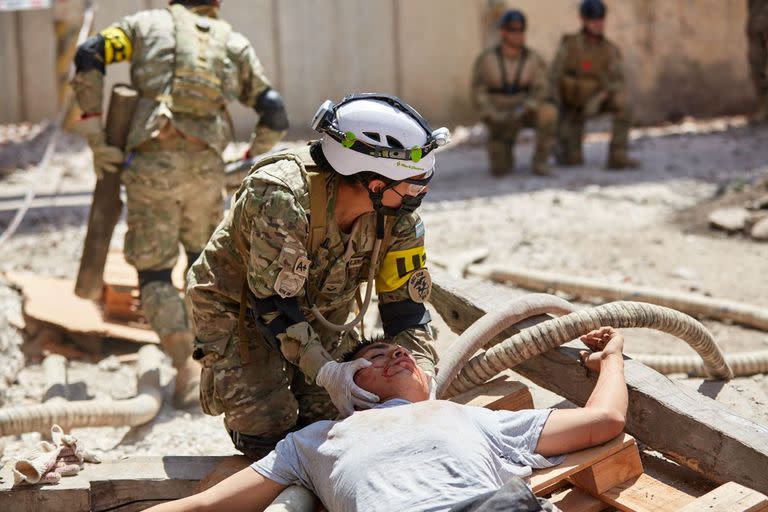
(318, 209)
(502, 67)
(520, 66)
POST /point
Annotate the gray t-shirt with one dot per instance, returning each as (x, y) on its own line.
(423, 456)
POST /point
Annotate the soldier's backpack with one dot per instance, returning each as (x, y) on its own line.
(199, 63)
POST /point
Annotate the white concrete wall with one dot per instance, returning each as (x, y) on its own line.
(682, 56)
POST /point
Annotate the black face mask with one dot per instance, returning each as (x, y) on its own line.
(407, 206)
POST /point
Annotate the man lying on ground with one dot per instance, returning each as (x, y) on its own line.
(413, 454)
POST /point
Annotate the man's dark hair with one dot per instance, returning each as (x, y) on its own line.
(362, 345)
(363, 178)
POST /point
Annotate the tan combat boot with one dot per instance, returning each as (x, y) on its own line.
(178, 346)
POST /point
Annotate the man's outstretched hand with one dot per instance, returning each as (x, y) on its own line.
(603, 342)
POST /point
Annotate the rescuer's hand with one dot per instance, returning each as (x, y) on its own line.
(338, 380)
(106, 158)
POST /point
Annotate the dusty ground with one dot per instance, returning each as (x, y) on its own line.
(627, 227)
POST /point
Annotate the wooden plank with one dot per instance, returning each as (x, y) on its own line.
(501, 393)
(608, 473)
(52, 301)
(543, 479)
(577, 500)
(686, 426)
(646, 494)
(729, 497)
(128, 484)
(72, 493)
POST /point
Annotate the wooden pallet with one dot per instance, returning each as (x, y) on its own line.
(606, 476)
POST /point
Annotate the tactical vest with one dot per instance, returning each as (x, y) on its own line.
(200, 57)
(585, 70)
(312, 195)
(510, 88)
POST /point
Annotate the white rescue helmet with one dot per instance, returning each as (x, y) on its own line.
(377, 133)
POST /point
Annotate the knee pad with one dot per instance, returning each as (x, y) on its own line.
(271, 108)
(91, 55)
(149, 276)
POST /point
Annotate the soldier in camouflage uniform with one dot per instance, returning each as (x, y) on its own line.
(587, 80)
(510, 87)
(276, 280)
(186, 64)
(757, 37)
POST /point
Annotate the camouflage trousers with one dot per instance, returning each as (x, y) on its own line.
(757, 54)
(267, 396)
(570, 130)
(173, 196)
(502, 137)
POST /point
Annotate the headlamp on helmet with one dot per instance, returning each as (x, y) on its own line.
(325, 122)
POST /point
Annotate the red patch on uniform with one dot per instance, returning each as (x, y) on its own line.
(586, 65)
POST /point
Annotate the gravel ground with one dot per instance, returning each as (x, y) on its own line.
(622, 227)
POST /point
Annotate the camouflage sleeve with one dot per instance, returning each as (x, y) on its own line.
(615, 80)
(89, 90)
(251, 80)
(277, 228)
(113, 44)
(556, 71)
(403, 283)
(540, 88)
(277, 233)
(480, 97)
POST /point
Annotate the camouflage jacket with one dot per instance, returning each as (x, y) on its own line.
(264, 238)
(147, 40)
(488, 81)
(584, 66)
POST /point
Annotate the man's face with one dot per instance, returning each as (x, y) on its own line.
(392, 374)
(594, 26)
(513, 35)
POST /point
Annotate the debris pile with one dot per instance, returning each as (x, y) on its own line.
(751, 218)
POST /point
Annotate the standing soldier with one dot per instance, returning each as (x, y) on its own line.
(186, 64)
(510, 87)
(273, 289)
(757, 36)
(587, 80)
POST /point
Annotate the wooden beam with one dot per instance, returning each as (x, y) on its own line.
(730, 497)
(499, 394)
(646, 494)
(688, 427)
(127, 484)
(544, 481)
(608, 473)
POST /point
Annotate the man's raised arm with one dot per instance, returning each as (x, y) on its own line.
(604, 415)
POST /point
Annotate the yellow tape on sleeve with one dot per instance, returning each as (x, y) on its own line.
(117, 45)
(397, 268)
